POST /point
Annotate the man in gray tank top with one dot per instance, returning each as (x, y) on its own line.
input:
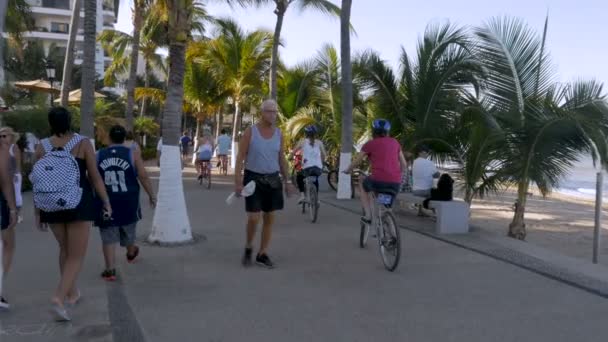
(261, 156)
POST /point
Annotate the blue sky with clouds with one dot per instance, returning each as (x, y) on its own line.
(577, 40)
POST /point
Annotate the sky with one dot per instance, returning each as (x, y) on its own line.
(577, 36)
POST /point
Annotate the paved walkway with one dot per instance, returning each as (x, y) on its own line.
(324, 289)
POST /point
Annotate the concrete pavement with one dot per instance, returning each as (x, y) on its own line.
(325, 288)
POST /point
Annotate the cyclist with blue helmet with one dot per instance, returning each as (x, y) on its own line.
(387, 164)
(313, 155)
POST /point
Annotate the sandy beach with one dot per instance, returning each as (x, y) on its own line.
(559, 222)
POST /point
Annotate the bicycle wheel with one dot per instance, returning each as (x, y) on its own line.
(208, 178)
(200, 175)
(363, 235)
(390, 242)
(332, 179)
(313, 203)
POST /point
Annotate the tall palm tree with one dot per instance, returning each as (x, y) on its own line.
(314, 97)
(238, 61)
(281, 6)
(138, 9)
(546, 126)
(203, 93)
(344, 184)
(16, 19)
(119, 45)
(87, 102)
(69, 54)
(171, 223)
(3, 7)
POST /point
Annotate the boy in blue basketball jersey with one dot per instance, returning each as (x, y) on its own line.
(122, 169)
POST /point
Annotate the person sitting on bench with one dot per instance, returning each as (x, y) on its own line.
(423, 173)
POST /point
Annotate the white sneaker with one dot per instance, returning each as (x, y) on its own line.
(301, 199)
(4, 304)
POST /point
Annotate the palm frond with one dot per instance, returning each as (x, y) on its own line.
(154, 94)
(323, 6)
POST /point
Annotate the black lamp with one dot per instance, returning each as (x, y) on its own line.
(50, 75)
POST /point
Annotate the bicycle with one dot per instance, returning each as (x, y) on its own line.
(311, 202)
(387, 231)
(204, 168)
(332, 179)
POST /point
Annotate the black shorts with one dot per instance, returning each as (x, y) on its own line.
(5, 214)
(263, 199)
(185, 150)
(370, 185)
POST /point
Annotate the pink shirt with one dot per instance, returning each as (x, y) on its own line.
(383, 153)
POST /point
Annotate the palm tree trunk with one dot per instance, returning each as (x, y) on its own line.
(468, 195)
(344, 181)
(517, 228)
(147, 85)
(3, 9)
(274, 59)
(220, 123)
(87, 101)
(137, 20)
(235, 131)
(171, 224)
(69, 54)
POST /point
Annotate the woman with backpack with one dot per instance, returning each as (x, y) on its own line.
(63, 179)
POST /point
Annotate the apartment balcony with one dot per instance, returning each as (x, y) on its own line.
(52, 11)
(45, 34)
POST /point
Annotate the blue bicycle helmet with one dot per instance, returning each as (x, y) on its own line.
(310, 129)
(381, 125)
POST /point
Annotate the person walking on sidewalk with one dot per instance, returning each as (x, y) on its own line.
(121, 167)
(8, 138)
(7, 243)
(63, 178)
(261, 155)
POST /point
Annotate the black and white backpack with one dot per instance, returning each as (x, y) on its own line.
(56, 177)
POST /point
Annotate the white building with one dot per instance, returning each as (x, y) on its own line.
(52, 26)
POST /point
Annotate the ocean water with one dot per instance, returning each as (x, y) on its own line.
(581, 182)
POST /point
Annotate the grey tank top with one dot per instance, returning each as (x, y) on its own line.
(12, 160)
(263, 154)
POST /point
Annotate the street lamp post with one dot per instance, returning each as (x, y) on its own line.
(50, 75)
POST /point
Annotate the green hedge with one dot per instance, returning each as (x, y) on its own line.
(148, 153)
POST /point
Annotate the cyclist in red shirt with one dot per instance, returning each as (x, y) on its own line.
(387, 165)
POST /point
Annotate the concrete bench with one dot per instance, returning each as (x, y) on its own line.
(452, 216)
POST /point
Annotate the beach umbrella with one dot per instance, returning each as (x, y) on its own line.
(37, 85)
(75, 95)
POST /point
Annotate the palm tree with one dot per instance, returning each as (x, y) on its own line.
(87, 102)
(238, 61)
(69, 55)
(171, 223)
(16, 19)
(435, 100)
(546, 126)
(313, 96)
(138, 9)
(344, 182)
(203, 93)
(281, 7)
(119, 45)
(3, 7)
